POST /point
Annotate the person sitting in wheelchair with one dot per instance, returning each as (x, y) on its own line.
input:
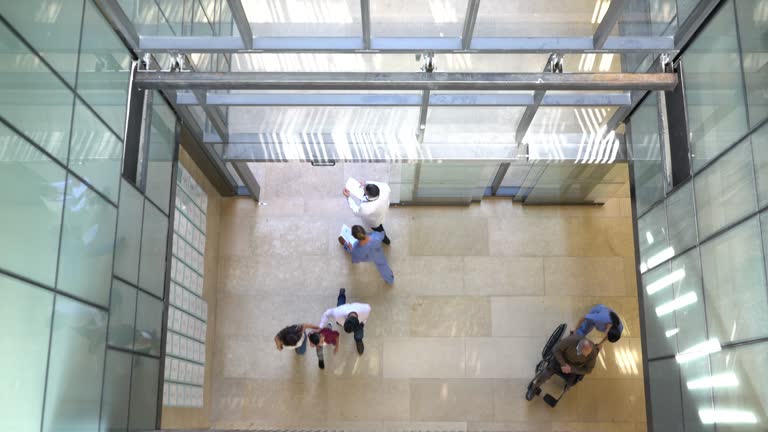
(575, 356)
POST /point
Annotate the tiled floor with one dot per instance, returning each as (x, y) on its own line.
(452, 345)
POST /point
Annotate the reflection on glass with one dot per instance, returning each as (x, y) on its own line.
(122, 313)
(736, 407)
(666, 281)
(690, 320)
(678, 303)
(162, 144)
(149, 317)
(734, 283)
(87, 244)
(714, 88)
(699, 350)
(130, 213)
(657, 327)
(753, 26)
(643, 138)
(504, 18)
(722, 380)
(680, 215)
(727, 416)
(31, 191)
(760, 155)
(648, 18)
(306, 17)
(73, 393)
(32, 98)
(444, 18)
(154, 238)
(697, 396)
(114, 400)
(25, 320)
(144, 384)
(664, 379)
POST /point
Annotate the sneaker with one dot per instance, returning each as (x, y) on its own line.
(360, 347)
(321, 364)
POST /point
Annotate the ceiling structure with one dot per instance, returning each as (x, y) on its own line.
(378, 80)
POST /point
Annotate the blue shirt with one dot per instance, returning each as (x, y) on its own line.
(600, 317)
(369, 252)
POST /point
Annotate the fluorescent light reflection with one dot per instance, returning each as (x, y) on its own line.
(715, 381)
(678, 303)
(666, 281)
(726, 416)
(699, 350)
(670, 333)
(659, 258)
(649, 237)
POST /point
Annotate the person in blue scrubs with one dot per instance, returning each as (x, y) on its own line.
(603, 319)
(368, 249)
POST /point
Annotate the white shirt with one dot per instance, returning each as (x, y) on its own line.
(339, 313)
(373, 212)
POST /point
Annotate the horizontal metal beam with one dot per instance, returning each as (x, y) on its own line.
(394, 99)
(413, 45)
(403, 81)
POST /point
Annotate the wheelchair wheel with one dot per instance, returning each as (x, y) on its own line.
(554, 339)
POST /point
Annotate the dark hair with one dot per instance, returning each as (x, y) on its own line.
(358, 232)
(314, 338)
(614, 334)
(351, 324)
(291, 339)
(291, 335)
(371, 190)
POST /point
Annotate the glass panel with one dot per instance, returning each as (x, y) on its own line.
(102, 78)
(144, 383)
(52, 27)
(583, 183)
(685, 279)
(95, 152)
(697, 393)
(652, 236)
(149, 318)
(122, 315)
(503, 18)
(725, 192)
(643, 138)
(172, 12)
(162, 143)
(148, 19)
(741, 399)
(734, 283)
(404, 18)
(684, 9)
(128, 233)
(31, 192)
(25, 317)
(32, 98)
(313, 18)
(154, 237)
(648, 18)
(760, 155)
(714, 88)
(85, 262)
(473, 125)
(117, 382)
(659, 329)
(664, 380)
(680, 216)
(753, 26)
(73, 394)
(453, 182)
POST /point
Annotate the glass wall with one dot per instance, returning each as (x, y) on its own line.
(702, 245)
(82, 262)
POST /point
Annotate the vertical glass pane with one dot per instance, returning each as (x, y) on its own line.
(743, 393)
(684, 9)
(32, 98)
(660, 329)
(122, 314)
(87, 242)
(686, 281)
(697, 393)
(52, 27)
(114, 400)
(104, 69)
(146, 373)
(714, 88)
(25, 320)
(403, 18)
(667, 410)
(680, 216)
(734, 284)
(505, 18)
(652, 239)
(725, 192)
(127, 248)
(760, 154)
(153, 241)
(95, 153)
(304, 17)
(75, 369)
(31, 191)
(149, 319)
(648, 18)
(646, 154)
(753, 26)
(162, 143)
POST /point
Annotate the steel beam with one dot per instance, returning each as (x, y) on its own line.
(365, 15)
(496, 184)
(473, 6)
(695, 19)
(241, 21)
(423, 116)
(608, 22)
(246, 175)
(392, 99)
(528, 115)
(120, 22)
(409, 45)
(403, 81)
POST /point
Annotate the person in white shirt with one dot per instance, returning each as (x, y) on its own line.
(350, 315)
(374, 206)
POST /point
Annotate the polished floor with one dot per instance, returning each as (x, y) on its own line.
(452, 344)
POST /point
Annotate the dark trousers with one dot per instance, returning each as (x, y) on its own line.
(380, 229)
(359, 333)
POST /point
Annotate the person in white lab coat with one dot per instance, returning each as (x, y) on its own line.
(352, 316)
(374, 206)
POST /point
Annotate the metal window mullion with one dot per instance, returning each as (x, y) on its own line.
(144, 138)
(473, 7)
(241, 22)
(365, 19)
(500, 174)
(117, 18)
(608, 22)
(423, 110)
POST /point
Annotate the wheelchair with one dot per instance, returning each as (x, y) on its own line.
(548, 360)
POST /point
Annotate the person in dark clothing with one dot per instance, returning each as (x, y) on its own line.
(575, 355)
(294, 337)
